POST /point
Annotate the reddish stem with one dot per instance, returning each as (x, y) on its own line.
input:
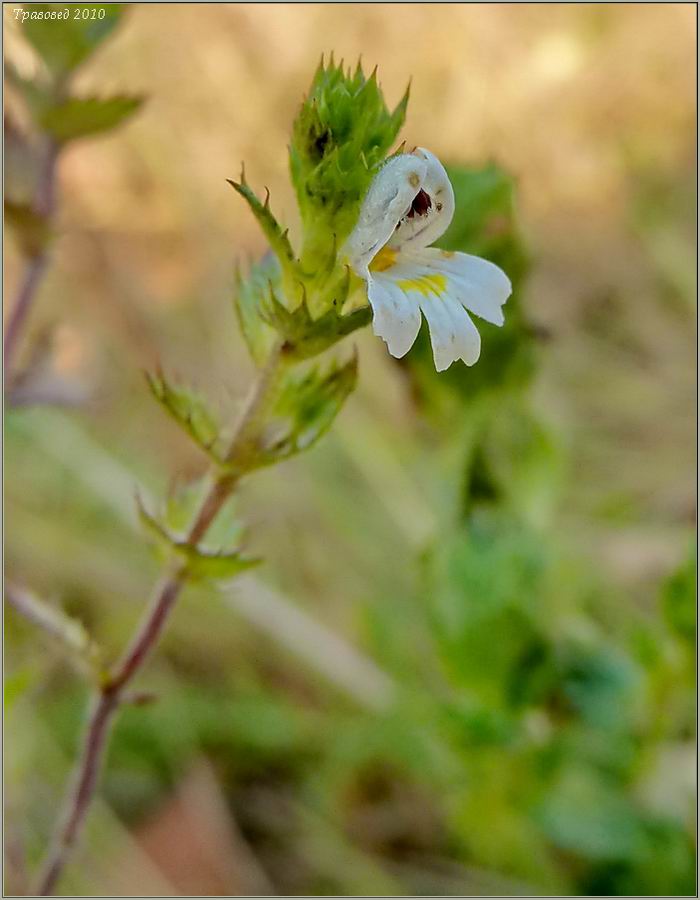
(43, 206)
(89, 763)
(111, 694)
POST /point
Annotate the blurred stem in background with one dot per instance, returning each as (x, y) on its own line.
(35, 266)
(56, 117)
(62, 43)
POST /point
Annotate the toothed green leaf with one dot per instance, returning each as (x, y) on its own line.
(63, 40)
(305, 408)
(161, 537)
(207, 564)
(85, 116)
(189, 410)
(264, 318)
(182, 504)
(278, 240)
(251, 303)
(199, 562)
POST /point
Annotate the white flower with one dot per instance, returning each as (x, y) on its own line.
(409, 205)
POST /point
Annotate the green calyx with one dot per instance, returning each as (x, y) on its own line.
(265, 318)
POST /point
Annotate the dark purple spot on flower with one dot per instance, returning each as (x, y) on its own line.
(421, 204)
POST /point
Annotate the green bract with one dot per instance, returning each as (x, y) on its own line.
(264, 317)
(342, 133)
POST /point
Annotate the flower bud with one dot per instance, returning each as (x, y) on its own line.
(341, 135)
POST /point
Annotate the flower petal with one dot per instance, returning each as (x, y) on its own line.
(396, 316)
(479, 285)
(389, 197)
(453, 335)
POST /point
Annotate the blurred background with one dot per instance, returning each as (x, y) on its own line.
(467, 665)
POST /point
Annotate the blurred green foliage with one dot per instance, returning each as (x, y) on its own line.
(64, 42)
(64, 38)
(679, 599)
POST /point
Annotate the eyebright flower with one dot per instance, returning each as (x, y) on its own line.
(408, 206)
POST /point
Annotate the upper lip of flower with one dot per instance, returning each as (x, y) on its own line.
(389, 249)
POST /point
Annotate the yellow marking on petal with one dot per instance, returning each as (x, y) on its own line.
(414, 180)
(447, 254)
(425, 284)
(384, 260)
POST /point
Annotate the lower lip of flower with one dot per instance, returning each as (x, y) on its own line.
(425, 284)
